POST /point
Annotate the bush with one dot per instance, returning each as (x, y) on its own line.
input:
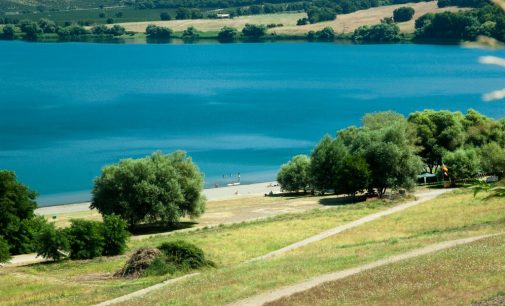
(9, 32)
(116, 30)
(159, 266)
(227, 34)
(157, 188)
(114, 234)
(302, 21)
(326, 34)
(85, 239)
(493, 159)
(190, 33)
(153, 31)
(462, 164)
(100, 29)
(403, 14)
(51, 242)
(4, 251)
(184, 255)
(318, 14)
(165, 16)
(139, 261)
(383, 32)
(254, 31)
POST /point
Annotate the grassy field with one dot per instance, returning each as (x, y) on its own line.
(449, 217)
(343, 24)
(85, 282)
(91, 281)
(455, 276)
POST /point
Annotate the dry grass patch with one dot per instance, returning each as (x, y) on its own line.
(287, 19)
(344, 23)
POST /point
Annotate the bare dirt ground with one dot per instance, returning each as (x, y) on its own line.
(344, 23)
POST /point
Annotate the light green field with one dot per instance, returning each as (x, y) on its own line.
(91, 281)
(448, 217)
(456, 276)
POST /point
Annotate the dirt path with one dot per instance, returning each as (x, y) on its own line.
(316, 281)
(421, 198)
(144, 291)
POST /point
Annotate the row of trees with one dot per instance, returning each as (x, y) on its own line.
(386, 31)
(226, 34)
(83, 239)
(21, 231)
(388, 152)
(31, 29)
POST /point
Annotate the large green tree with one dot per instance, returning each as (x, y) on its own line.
(493, 159)
(481, 130)
(17, 205)
(355, 175)
(387, 143)
(462, 164)
(326, 163)
(439, 132)
(157, 188)
(295, 175)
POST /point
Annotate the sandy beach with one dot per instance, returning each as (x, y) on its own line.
(220, 193)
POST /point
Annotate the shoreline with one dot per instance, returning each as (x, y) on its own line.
(212, 194)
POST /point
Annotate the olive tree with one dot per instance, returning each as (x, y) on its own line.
(387, 143)
(17, 219)
(439, 132)
(295, 175)
(4, 251)
(326, 161)
(493, 159)
(355, 175)
(157, 188)
(462, 164)
(52, 243)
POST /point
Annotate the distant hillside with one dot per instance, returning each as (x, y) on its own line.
(51, 5)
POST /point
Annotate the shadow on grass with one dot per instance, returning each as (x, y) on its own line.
(346, 200)
(156, 228)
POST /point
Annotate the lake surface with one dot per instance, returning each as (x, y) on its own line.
(68, 109)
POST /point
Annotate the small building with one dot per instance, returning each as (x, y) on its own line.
(222, 15)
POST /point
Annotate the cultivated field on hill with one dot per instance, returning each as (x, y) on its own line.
(344, 23)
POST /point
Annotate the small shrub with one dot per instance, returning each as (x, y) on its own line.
(227, 34)
(184, 255)
(4, 250)
(114, 234)
(159, 266)
(403, 14)
(51, 242)
(139, 261)
(86, 240)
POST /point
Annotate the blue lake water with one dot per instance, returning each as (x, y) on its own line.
(68, 109)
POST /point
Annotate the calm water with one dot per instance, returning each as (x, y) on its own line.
(68, 109)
